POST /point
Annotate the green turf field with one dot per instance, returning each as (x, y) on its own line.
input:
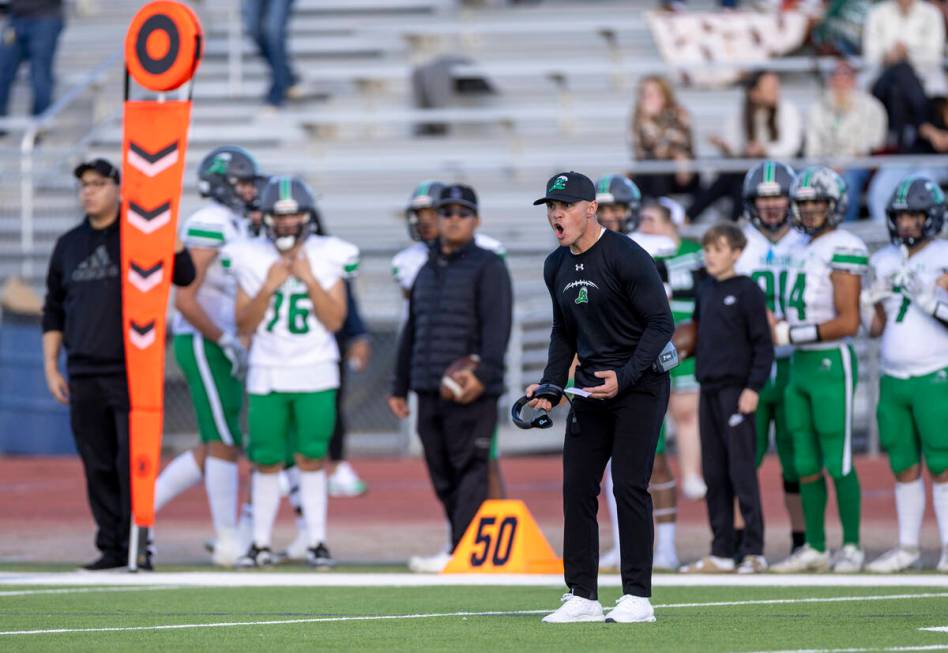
(489, 618)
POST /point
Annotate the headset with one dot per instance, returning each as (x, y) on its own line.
(548, 391)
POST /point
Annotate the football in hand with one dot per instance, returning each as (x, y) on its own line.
(453, 382)
(685, 339)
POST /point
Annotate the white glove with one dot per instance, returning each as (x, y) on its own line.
(867, 307)
(235, 353)
(921, 294)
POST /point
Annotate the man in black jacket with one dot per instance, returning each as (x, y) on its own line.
(460, 308)
(83, 312)
(610, 311)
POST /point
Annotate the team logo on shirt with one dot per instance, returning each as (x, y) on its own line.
(583, 296)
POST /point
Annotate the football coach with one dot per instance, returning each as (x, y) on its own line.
(610, 311)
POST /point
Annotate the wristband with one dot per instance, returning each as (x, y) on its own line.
(804, 333)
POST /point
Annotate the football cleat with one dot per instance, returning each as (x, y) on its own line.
(319, 557)
(804, 559)
(894, 561)
(256, 557)
(848, 560)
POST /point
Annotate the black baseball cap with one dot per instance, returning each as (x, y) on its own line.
(458, 194)
(568, 187)
(101, 166)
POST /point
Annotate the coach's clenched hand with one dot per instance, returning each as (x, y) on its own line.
(398, 406)
(609, 387)
(538, 404)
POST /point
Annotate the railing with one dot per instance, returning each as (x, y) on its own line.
(32, 129)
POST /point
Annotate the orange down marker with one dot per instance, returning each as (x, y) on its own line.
(162, 51)
(503, 538)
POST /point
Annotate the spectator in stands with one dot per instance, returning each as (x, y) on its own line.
(83, 313)
(932, 139)
(31, 34)
(838, 30)
(903, 43)
(846, 122)
(661, 131)
(766, 127)
(266, 23)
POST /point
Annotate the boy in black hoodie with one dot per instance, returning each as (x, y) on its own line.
(734, 355)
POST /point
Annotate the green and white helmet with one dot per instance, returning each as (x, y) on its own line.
(619, 189)
(424, 196)
(284, 195)
(767, 179)
(816, 183)
(916, 194)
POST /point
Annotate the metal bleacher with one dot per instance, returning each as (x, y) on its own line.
(564, 71)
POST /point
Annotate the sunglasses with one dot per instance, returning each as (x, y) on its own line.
(461, 213)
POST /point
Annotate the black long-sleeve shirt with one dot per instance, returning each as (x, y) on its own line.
(84, 297)
(609, 308)
(460, 304)
(734, 343)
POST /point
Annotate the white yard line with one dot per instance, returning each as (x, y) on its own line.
(438, 615)
(369, 579)
(939, 629)
(86, 590)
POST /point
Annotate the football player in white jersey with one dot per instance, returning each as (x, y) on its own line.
(421, 218)
(206, 346)
(907, 304)
(821, 314)
(766, 260)
(291, 298)
(619, 201)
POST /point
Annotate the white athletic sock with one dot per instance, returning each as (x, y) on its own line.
(611, 502)
(910, 509)
(220, 481)
(940, 499)
(180, 474)
(314, 497)
(665, 539)
(265, 490)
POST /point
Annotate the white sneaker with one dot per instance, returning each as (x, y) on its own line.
(694, 488)
(575, 609)
(848, 560)
(344, 482)
(429, 564)
(804, 559)
(610, 560)
(665, 561)
(709, 565)
(894, 561)
(943, 562)
(226, 549)
(630, 610)
(299, 547)
(752, 564)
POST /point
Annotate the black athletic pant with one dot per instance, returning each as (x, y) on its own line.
(626, 429)
(728, 461)
(456, 440)
(337, 445)
(98, 413)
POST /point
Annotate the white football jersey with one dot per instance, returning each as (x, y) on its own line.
(656, 246)
(407, 263)
(213, 227)
(291, 350)
(808, 295)
(913, 342)
(768, 263)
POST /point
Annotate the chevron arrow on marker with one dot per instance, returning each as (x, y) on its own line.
(152, 164)
(149, 221)
(145, 278)
(142, 336)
